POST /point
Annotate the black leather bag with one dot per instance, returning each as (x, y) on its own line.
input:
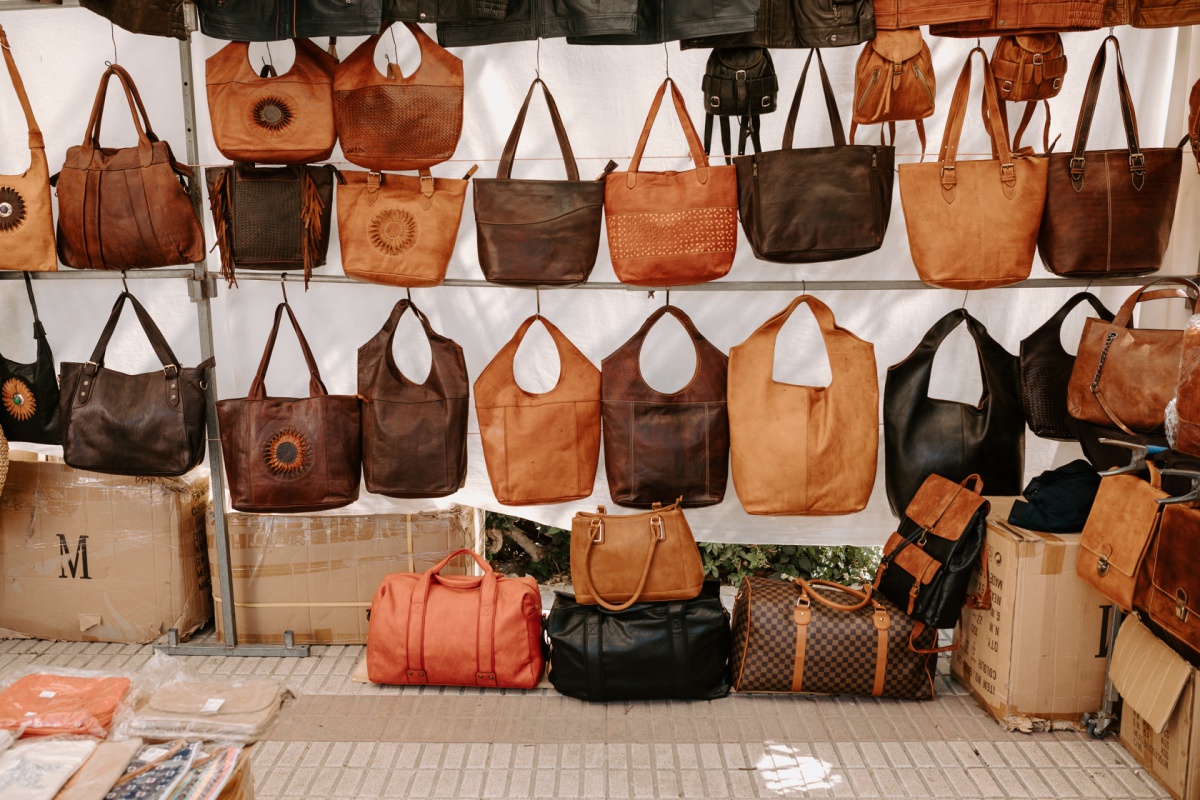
(29, 392)
(738, 82)
(924, 436)
(649, 651)
(1046, 370)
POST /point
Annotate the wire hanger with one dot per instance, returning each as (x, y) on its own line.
(538, 293)
(112, 34)
(283, 285)
(123, 281)
(537, 64)
(668, 296)
(667, 53)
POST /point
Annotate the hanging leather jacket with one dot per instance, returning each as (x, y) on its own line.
(1012, 17)
(443, 10)
(661, 21)
(152, 17)
(271, 20)
(525, 20)
(801, 23)
(893, 15)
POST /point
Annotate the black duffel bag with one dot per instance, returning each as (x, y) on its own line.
(649, 651)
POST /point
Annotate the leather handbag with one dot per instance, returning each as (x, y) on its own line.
(128, 207)
(26, 222)
(649, 651)
(273, 218)
(145, 425)
(414, 435)
(785, 437)
(816, 204)
(671, 228)
(533, 232)
(288, 454)
(1126, 376)
(825, 638)
(456, 630)
(738, 82)
(924, 436)
(397, 122)
(661, 445)
(1029, 68)
(973, 224)
(1172, 599)
(540, 448)
(29, 401)
(1109, 212)
(399, 230)
(1118, 535)
(893, 82)
(619, 560)
(273, 119)
(1194, 121)
(1186, 431)
(1046, 371)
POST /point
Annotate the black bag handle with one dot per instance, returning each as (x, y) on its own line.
(39, 332)
(1053, 326)
(316, 387)
(835, 119)
(564, 144)
(166, 357)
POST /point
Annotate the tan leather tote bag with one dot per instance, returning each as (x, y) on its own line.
(973, 224)
(540, 448)
(804, 449)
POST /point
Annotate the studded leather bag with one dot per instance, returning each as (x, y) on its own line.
(289, 454)
(151, 424)
(894, 82)
(671, 228)
(1120, 531)
(284, 119)
(29, 402)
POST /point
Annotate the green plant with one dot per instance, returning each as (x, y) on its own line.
(518, 546)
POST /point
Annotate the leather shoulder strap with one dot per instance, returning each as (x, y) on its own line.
(35, 133)
(835, 119)
(316, 387)
(1190, 291)
(993, 118)
(689, 130)
(39, 332)
(161, 349)
(510, 147)
(1137, 165)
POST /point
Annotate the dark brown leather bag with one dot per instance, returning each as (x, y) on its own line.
(287, 454)
(129, 207)
(1172, 598)
(143, 425)
(538, 232)
(1109, 212)
(414, 435)
(1194, 122)
(1187, 394)
(658, 446)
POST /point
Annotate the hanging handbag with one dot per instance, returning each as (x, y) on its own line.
(29, 401)
(414, 435)
(394, 122)
(1194, 122)
(26, 223)
(816, 204)
(785, 437)
(541, 233)
(1046, 371)
(456, 630)
(145, 425)
(1109, 212)
(1186, 429)
(894, 82)
(1119, 533)
(671, 228)
(1126, 376)
(738, 82)
(825, 638)
(540, 448)
(619, 560)
(129, 207)
(399, 230)
(1029, 68)
(287, 454)
(649, 651)
(925, 436)
(1172, 599)
(661, 445)
(273, 218)
(285, 119)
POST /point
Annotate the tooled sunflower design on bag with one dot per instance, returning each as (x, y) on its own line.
(287, 453)
(18, 399)
(393, 231)
(12, 209)
(272, 114)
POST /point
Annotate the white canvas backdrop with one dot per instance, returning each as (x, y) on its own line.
(603, 94)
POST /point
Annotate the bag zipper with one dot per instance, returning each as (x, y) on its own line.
(866, 92)
(921, 78)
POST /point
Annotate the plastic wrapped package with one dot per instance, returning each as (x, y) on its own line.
(6, 740)
(1183, 413)
(212, 774)
(37, 769)
(101, 771)
(156, 771)
(47, 704)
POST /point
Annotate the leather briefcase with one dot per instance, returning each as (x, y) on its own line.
(619, 560)
(456, 630)
(816, 204)
(1119, 533)
(151, 424)
(650, 651)
(825, 638)
(29, 401)
(1173, 597)
(1187, 394)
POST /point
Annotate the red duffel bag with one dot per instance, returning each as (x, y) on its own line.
(456, 630)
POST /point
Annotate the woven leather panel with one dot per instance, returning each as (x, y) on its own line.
(693, 231)
(267, 223)
(764, 637)
(399, 122)
(1044, 396)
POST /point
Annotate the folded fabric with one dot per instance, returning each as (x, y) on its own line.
(155, 772)
(100, 771)
(37, 770)
(1059, 500)
(228, 710)
(45, 705)
(211, 774)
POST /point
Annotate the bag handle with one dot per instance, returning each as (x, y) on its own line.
(316, 387)
(595, 536)
(564, 144)
(141, 122)
(807, 593)
(486, 631)
(1190, 291)
(689, 130)
(389, 331)
(39, 332)
(699, 343)
(1137, 161)
(36, 142)
(162, 349)
(1060, 316)
(509, 351)
(937, 334)
(835, 119)
(996, 130)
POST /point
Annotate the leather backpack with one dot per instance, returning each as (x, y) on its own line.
(1027, 69)
(893, 82)
(738, 82)
(29, 401)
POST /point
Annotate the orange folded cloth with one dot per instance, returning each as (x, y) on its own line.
(46, 705)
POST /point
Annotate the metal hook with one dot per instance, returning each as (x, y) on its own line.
(668, 296)
(270, 59)
(408, 293)
(112, 34)
(538, 291)
(123, 282)
(804, 286)
(1190, 497)
(963, 307)
(395, 47)
(537, 68)
(283, 285)
(667, 53)
(1137, 456)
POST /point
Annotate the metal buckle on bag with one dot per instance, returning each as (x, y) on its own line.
(596, 531)
(1181, 609)
(1037, 58)
(714, 101)
(171, 367)
(1006, 87)
(1137, 162)
(1077, 164)
(1102, 566)
(1057, 84)
(656, 527)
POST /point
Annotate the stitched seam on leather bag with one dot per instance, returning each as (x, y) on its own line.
(1108, 208)
(540, 221)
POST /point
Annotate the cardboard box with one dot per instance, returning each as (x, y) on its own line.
(1038, 655)
(316, 575)
(86, 557)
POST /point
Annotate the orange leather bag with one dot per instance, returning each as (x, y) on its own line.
(540, 448)
(1119, 534)
(1187, 394)
(456, 630)
(804, 449)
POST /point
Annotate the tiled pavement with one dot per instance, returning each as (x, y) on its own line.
(342, 739)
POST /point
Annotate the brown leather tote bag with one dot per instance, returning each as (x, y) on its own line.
(288, 454)
(540, 448)
(1109, 212)
(973, 224)
(26, 222)
(414, 435)
(151, 424)
(671, 228)
(395, 122)
(538, 232)
(128, 207)
(274, 120)
(786, 438)
(658, 446)
(1187, 394)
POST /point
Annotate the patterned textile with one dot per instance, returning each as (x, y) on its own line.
(156, 771)
(36, 770)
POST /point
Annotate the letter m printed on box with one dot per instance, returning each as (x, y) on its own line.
(78, 566)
